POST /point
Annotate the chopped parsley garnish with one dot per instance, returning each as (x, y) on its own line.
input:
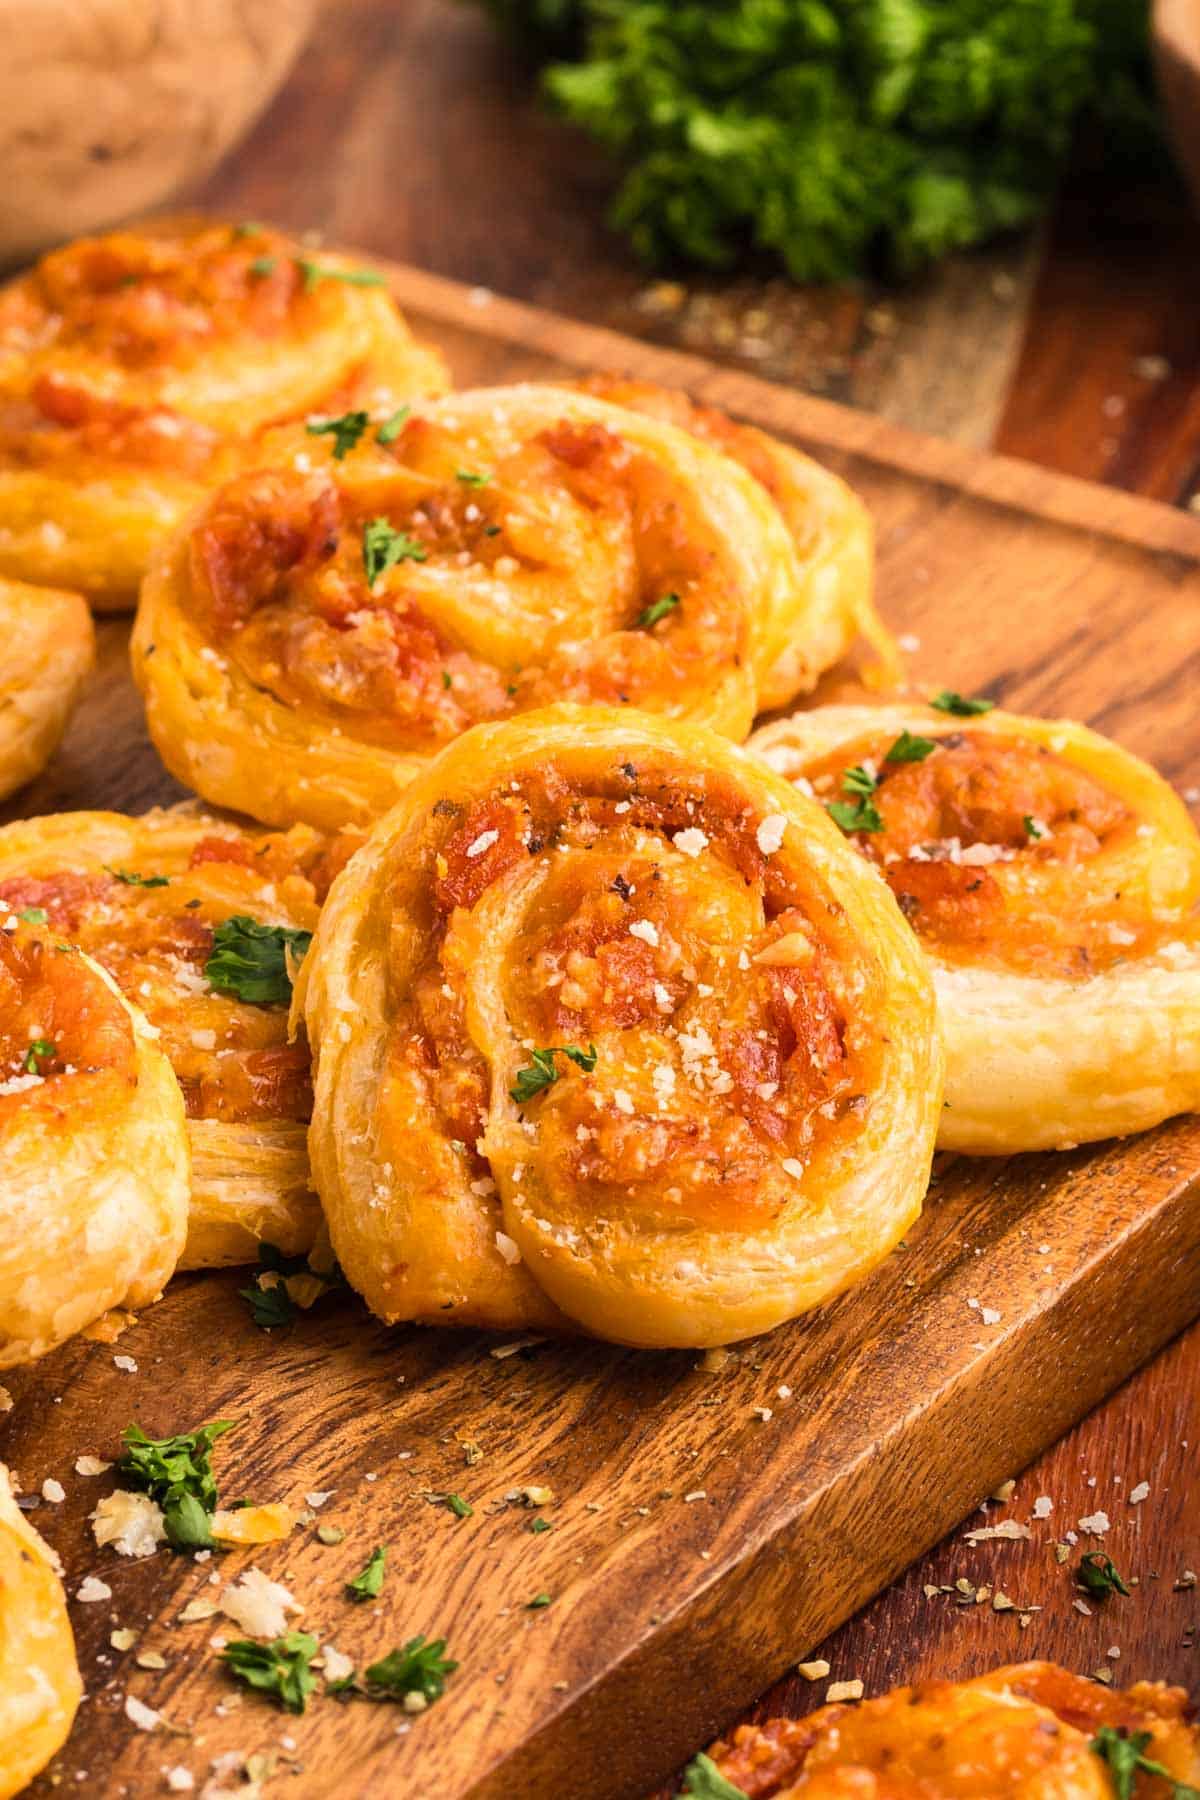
(383, 547)
(858, 780)
(858, 813)
(368, 1585)
(541, 1072)
(462, 1509)
(271, 1304)
(247, 228)
(263, 265)
(345, 430)
(416, 1668)
(314, 272)
(657, 609)
(537, 1526)
(282, 1667)
(908, 747)
(539, 1602)
(40, 1048)
(1098, 1574)
(948, 701)
(254, 962)
(177, 1473)
(391, 428)
(473, 477)
(702, 1780)
(34, 915)
(1123, 1755)
(131, 878)
(1034, 829)
(446, 681)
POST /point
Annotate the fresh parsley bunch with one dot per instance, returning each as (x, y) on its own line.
(836, 134)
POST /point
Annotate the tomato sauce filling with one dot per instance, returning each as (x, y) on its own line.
(727, 1047)
(144, 306)
(954, 1736)
(367, 599)
(58, 1022)
(232, 1058)
(995, 849)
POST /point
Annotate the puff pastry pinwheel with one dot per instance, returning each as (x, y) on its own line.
(48, 649)
(200, 920)
(323, 628)
(138, 368)
(93, 1147)
(613, 1032)
(1029, 1732)
(39, 1678)
(831, 602)
(1053, 880)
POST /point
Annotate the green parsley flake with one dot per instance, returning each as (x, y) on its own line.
(270, 1303)
(908, 748)
(177, 1473)
(345, 430)
(1123, 1755)
(130, 878)
(416, 1668)
(254, 962)
(475, 478)
(537, 1526)
(948, 701)
(383, 547)
(1034, 829)
(315, 272)
(41, 1048)
(34, 915)
(539, 1602)
(541, 1072)
(858, 780)
(1098, 1574)
(702, 1780)
(462, 1509)
(391, 428)
(263, 265)
(658, 609)
(282, 1667)
(857, 815)
(368, 1585)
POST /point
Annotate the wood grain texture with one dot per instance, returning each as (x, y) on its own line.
(667, 1614)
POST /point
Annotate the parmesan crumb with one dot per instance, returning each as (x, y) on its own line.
(259, 1605)
(53, 1491)
(769, 836)
(813, 1671)
(483, 842)
(646, 930)
(508, 1248)
(1138, 1494)
(91, 1588)
(141, 1715)
(90, 1465)
(132, 1523)
(1096, 1523)
(839, 1691)
(692, 841)
(126, 1363)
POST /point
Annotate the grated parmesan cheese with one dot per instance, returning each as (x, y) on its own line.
(769, 836)
(259, 1605)
(132, 1523)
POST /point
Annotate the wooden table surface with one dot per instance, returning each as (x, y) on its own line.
(408, 131)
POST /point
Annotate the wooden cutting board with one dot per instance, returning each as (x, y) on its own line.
(697, 1548)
